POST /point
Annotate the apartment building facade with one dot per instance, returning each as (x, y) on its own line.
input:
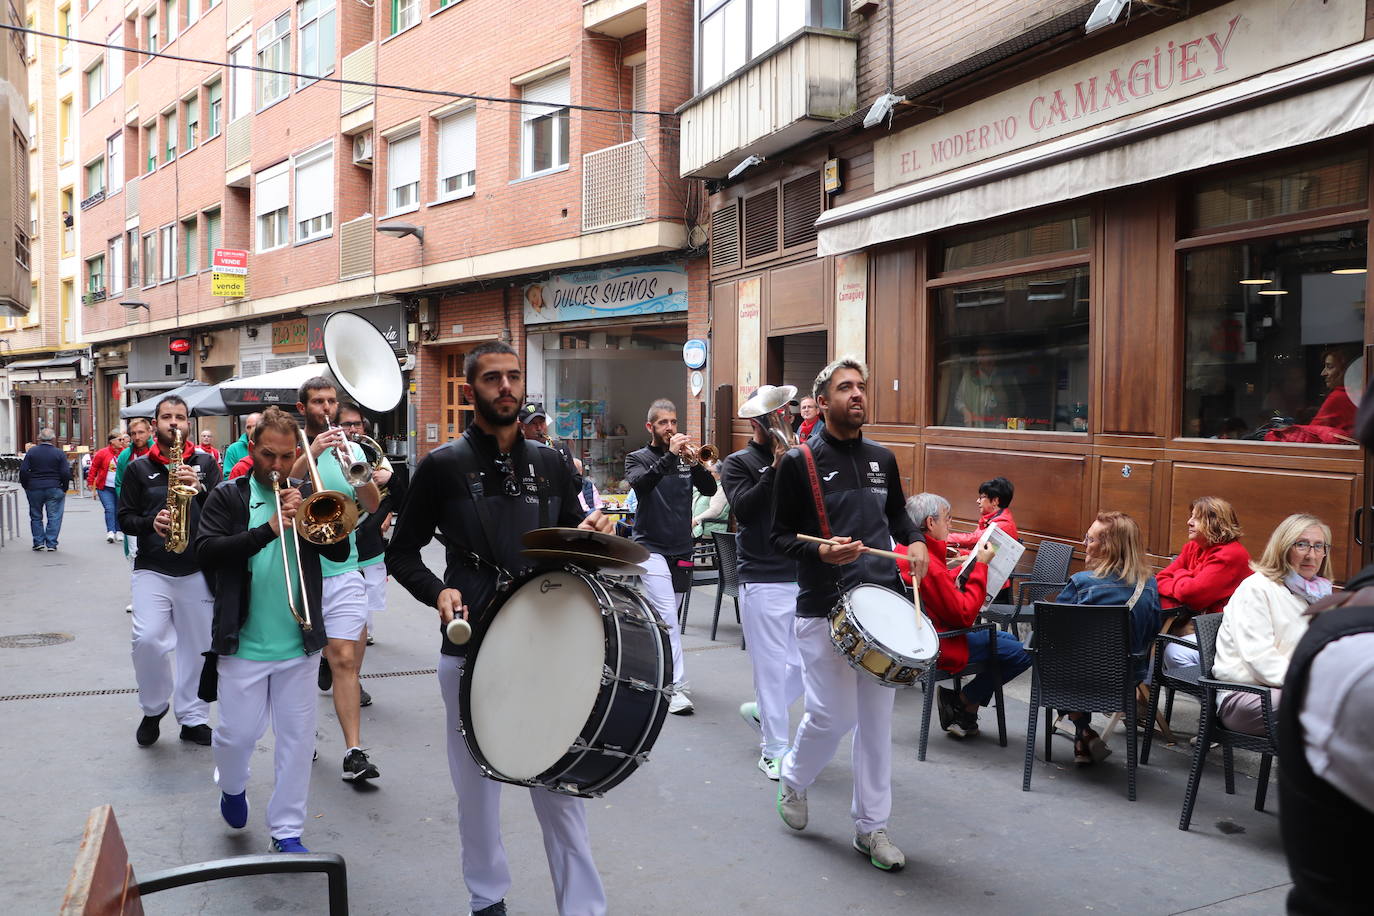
(1125, 269)
(47, 376)
(440, 213)
(14, 131)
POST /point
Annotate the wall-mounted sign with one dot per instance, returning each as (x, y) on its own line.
(832, 176)
(611, 292)
(851, 304)
(750, 319)
(289, 336)
(694, 353)
(179, 345)
(389, 319)
(1212, 49)
(229, 273)
(697, 381)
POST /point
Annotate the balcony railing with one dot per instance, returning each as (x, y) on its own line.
(613, 186)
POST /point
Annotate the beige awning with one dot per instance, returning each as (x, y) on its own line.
(1324, 97)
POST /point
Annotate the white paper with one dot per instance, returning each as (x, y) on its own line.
(1009, 551)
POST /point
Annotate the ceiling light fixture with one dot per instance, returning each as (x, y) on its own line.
(1273, 292)
(1256, 281)
(1348, 271)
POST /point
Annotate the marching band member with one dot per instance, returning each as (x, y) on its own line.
(171, 602)
(373, 529)
(859, 489)
(345, 589)
(767, 594)
(662, 478)
(481, 493)
(265, 662)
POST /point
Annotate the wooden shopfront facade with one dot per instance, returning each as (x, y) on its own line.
(1141, 307)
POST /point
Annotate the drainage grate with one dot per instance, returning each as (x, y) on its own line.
(34, 640)
(121, 690)
(417, 671)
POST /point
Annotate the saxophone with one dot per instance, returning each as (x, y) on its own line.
(179, 497)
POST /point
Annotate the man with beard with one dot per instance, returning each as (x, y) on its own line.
(266, 630)
(172, 606)
(371, 532)
(345, 590)
(767, 594)
(662, 479)
(859, 489)
(481, 493)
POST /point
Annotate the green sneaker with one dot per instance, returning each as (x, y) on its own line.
(791, 806)
(771, 767)
(880, 850)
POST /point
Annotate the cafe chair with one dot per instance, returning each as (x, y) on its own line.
(1047, 577)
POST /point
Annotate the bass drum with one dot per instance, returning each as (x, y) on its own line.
(567, 684)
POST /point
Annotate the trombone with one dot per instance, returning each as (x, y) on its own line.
(328, 516)
(303, 615)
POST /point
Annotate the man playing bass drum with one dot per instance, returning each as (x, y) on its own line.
(483, 492)
(858, 485)
(172, 603)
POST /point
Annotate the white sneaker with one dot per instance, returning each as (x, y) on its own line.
(880, 850)
(771, 767)
(109, 537)
(749, 712)
(681, 704)
(791, 806)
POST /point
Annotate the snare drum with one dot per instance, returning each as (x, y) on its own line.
(882, 634)
(567, 684)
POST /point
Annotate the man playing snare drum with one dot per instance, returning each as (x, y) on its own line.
(860, 490)
(481, 493)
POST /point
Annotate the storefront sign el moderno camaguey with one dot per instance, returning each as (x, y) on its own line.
(1228, 44)
(610, 292)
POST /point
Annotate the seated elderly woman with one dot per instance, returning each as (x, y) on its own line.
(1266, 617)
(1117, 574)
(994, 508)
(951, 608)
(1204, 574)
(710, 513)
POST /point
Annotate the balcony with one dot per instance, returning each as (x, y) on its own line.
(613, 186)
(616, 18)
(355, 102)
(775, 102)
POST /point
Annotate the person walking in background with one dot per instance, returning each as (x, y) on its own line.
(45, 473)
(207, 445)
(237, 450)
(101, 480)
(140, 439)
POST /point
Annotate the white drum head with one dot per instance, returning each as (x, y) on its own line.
(537, 675)
(893, 621)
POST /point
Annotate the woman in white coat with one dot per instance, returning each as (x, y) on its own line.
(1265, 618)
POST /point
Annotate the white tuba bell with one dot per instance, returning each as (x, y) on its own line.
(766, 406)
(362, 362)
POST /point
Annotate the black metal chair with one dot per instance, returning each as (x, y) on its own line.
(934, 676)
(1182, 680)
(727, 575)
(1047, 577)
(1083, 663)
(705, 571)
(1210, 728)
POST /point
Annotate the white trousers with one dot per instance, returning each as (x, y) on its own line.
(344, 605)
(1176, 656)
(374, 587)
(250, 695)
(658, 591)
(839, 699)
(768, 613)
(562, 819)
(171, 613)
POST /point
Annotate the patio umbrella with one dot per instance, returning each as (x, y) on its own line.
(202, 400)
(249, 395)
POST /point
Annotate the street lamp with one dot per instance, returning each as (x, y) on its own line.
(401, 230)
(132, 304)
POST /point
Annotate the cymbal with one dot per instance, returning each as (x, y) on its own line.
(596, 561)
(580, 539)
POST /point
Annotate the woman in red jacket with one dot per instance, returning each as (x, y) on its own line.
(1205, 573)
(950, 608)
(994, 508)
(101, 480)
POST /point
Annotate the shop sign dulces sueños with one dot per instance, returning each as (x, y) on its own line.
(607, 292)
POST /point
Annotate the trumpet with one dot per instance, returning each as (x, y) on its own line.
(698, 454)
(356, 471)
(303, 615)
(328, 516)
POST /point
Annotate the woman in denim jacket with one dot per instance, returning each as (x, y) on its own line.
(1117, 574)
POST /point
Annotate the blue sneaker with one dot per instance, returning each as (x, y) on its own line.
(287, 844)
(234, 809)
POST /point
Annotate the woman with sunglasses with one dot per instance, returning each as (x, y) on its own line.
(1265, 618)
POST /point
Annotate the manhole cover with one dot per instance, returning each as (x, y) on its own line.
(34, 640)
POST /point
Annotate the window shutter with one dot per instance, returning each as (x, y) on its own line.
(403, 161)
(639, 94)
(271, 191)
(213, 232)
(801, 207)
(551, 92)
(761, 224)
(315, 185)
(725, 238)
(458, 144)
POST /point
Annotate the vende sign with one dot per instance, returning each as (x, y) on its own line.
(1230, 43)
(229, 261)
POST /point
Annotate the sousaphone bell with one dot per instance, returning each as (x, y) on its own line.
(766, 406)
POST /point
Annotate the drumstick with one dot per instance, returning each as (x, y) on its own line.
(458, 631)
(873, 550)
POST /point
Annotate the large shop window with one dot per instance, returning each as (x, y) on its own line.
(1275, 324)
(1012, 351)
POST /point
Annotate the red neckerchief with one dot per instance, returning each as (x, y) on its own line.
(155, 452)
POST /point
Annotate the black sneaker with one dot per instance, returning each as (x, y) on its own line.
(356, 766)
(947, 705)
(364, 698)
(198, 734)
(965, 724)
(496, 909)
(149, 729)
(326, 679)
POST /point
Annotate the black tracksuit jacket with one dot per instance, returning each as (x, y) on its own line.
(663, 483)
(143, 494)
(747, 477)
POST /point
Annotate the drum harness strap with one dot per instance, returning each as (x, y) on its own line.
(816, 489)
(472, 476)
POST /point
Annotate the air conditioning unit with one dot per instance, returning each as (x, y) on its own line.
(362, 149)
